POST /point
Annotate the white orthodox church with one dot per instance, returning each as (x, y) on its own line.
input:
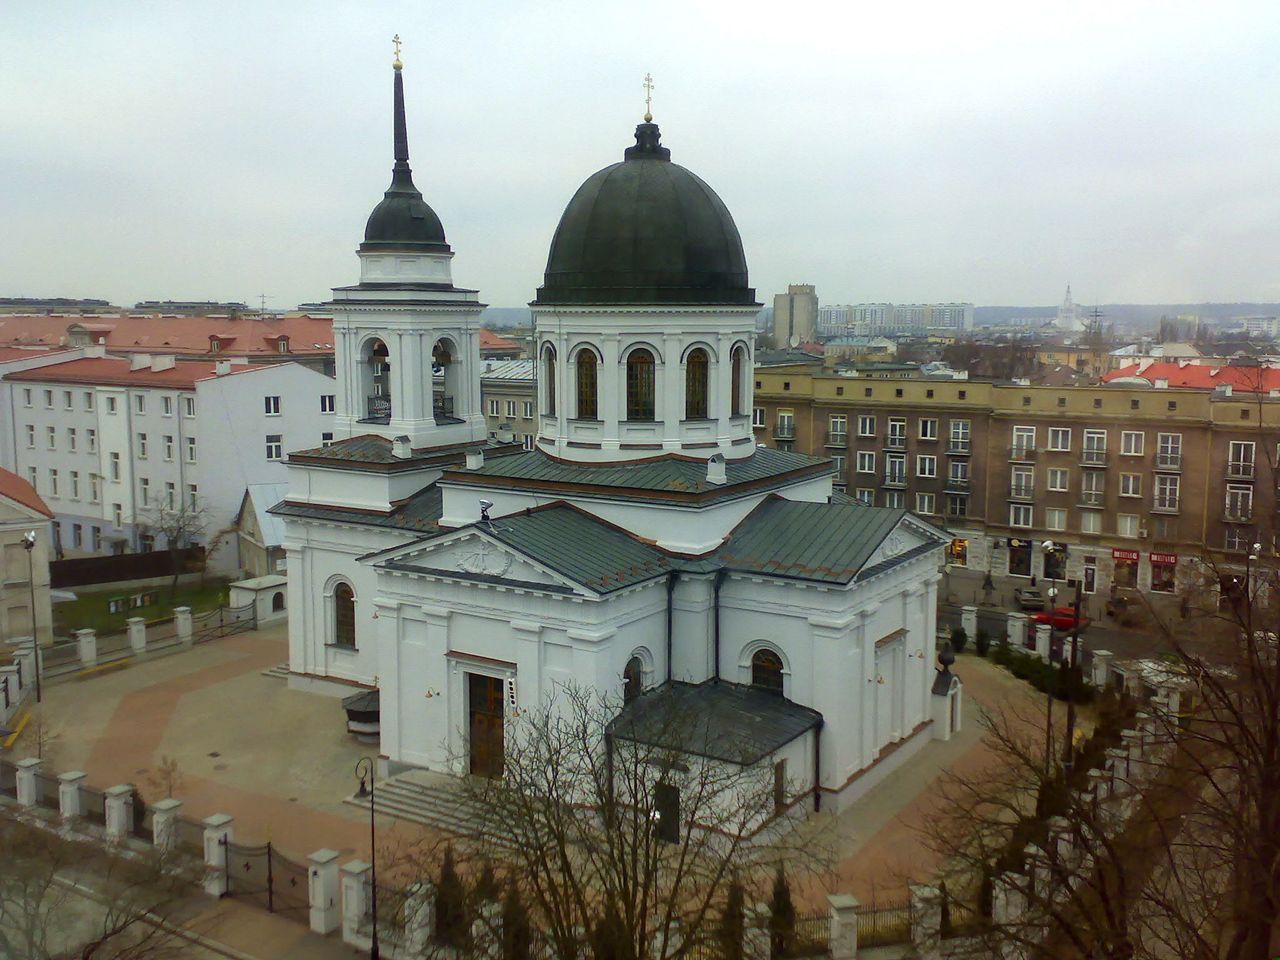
(645, 547)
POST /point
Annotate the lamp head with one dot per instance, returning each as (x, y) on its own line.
(363, 791)
(29, 539)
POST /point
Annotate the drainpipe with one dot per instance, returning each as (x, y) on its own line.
(817, 767)
(671, 589)
(720, 575)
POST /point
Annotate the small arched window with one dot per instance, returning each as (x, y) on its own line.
(695, 385)
(587, 409)
(640, 385)
(344, 615)
(766, 671)
(739, 369)
(632, 680)
(549, 377)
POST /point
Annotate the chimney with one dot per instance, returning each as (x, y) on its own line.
(139, 361)
(95, 350)
(505, 434)
(221, 367)
(715, 469)
(401, 448)
(1162, 384)
(165, 362)
(475, 458)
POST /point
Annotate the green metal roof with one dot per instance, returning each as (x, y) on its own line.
(420, 513)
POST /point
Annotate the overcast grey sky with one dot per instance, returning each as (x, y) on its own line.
(901, 152)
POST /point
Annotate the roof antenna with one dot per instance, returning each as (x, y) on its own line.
(485, 507)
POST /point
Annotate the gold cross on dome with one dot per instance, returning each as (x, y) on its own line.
(648, 98)
(396, 40)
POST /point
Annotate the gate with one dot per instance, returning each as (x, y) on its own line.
(884, 924)
(8, 779)
(288, 880)
(248, 871)
(93, 804)
(223, 622)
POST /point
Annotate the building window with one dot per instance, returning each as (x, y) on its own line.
(191, 449)
(1239, 507)
(640, 385)
(88, 401)
(1132, 443)
(93, 489)
(1022, 482)
(166, 406)
(929, 429)
(495, 408)
(757, 416)
(75, 484)
(111, 406)
(193, 498)
(1164, 568)
(1058, 479)
(549, 378)
(1021, 515)
(142, 446)
(1060, 438)
(1024, 441)
(189, 406)
(170, 492)
(958, 471)
(31, 478)
(737, 378)
(31, 436)
(328, 402)
(77, 535)
(168, 447)
(1167, 492)
(114, 466)
(48, 399)
(51, 436)
(1090, 522)
(527, 410)
(326, 439)
(1095, 446)
(957, 505)
(71, 439)
(1169, 451)
(271, 406)
(632, 680)
(838, 461)
(117, 515)
(1020, 558)
(139, 403)
(1055, 518)
(274, 445)
(865, 496)
(866, 425)
(926, 466)
(897, 432)
(925, 503)
(696, 376)
(26, 396)
(53, 483)
(958, 552)
(837, 428)
(766, 671)
(1240, 459)
(1130, 484)
(511, 409)
(344, 616)
(1238, 539)
(527, 441)
(67, 402)
(91, 437)
(895, 499)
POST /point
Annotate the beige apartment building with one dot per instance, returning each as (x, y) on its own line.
(509, 400)
(1139, 485)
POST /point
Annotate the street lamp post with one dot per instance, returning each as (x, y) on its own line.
(29, 544)
(1069, 750)
(364, 767)
(1050, 548)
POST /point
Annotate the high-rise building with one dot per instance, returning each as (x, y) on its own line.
(795, 315)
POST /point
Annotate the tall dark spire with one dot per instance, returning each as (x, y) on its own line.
(401, 130)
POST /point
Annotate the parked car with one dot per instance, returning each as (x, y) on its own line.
(1061, 618)
(1028, 599)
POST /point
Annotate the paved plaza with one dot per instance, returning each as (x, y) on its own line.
(281, 763)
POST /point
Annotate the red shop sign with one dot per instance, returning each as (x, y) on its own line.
(1125, 555)
(1167, 558)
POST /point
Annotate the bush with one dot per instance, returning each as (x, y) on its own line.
(981, 643)
(451, 912)
(959, 638)
(782, 918)
(517, 933)
(1000, 653)
(732, 922)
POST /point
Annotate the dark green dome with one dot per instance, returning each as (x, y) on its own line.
(403, 218)
(646, 231)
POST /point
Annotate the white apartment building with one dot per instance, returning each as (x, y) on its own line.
(881, 318)
(108, 441)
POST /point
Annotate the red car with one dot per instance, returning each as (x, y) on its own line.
(1062, 618)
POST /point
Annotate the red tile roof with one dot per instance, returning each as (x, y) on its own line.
(492, 341)
(1197, 376)
(308, 336)
(114, 371)
(18, 353)
(18, 490)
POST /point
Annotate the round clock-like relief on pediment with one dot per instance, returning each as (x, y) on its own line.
(895, 544)
(487, 560)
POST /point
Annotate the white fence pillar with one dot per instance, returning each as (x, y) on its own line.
(1100, 667)
(355, 902)
(10, 689)
(969, 620)
(755, 933)
(164, 824)
(182, 623)
(1016, 630)
(843, 936)
(419, 918)
(1044, 641)
(28, 787)
(119, 803)
(70, 797)
(137, 635)
(323, 891)
(217, 834)
(88, 643)
(926, 921)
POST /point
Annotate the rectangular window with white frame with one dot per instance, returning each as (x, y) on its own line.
(31, 436)
(328, 402)
(895, 499)
(168, 447)
(166, 406)
(838, 461)
(865, 496)
(271, 406)
(71, 439)
(32, 475)
(757, 416)
(1132, 443)
(511, 409)
(527, 413)
(91, 438)
(95, 491)
(139, 403)
(144, 492)
(170, 494)
(68, 401)
(48, 399)
(1021, 515)
(866, 461)
(1090, 521)
(1240, 459)
(928, 429)
(75, 484)
(1055, 518)
(51, 435)
(958, 471)
(189, 406)
(1060, 439)
(193, 499)
(53, 482)
(926, 466)
(191, 449)
(1130, 484)
(326, 439)
(897, 432)
(866, 425)
(142, 446)
(1024, 440)
(1168, 492)
(926, 503)
(495, 408)
(111, 406)
(1059, 480)
(26, 396)
(113, 460)
(88, 401)
(1126, 524)
(275, 446)
(117, 515)
(959, 441)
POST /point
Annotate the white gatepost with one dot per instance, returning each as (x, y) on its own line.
(1016, 630)
(1100, 667)
(28, 787)
(182, 623)
(119, 802)
(87, 640)
(217, 836)
(70, 796)
(164, 824)
(755, 934)
(10, 686)
(926, 921)
(355, 902)
(323, 891)
(137, 635)
(1044, 641)
(969, 620)
(419, 918)
(843, 935)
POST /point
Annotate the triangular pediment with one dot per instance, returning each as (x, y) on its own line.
(473, 554)
(906, 535)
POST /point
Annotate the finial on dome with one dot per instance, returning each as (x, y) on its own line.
(648, 98)
(396, 64)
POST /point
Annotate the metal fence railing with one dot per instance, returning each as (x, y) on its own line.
(93, 804)
(882, 924)
(47, 791)
(8, 779)
(188, 834)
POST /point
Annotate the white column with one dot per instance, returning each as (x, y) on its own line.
(1100, 667)
(119, 811)
(164, 824)
(323, 891)
(88, 644)
(1044, 641)
(926, 921)
(843, 936)
(969, 620)
(70, 799)
(355, 902)
(419, 919)
(137, 634)
(217, 834)
(182, 622)
(610, 380)
(1016, 627)
(867, 686)
(28, 788)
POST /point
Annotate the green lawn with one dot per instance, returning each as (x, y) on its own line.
(90, 610)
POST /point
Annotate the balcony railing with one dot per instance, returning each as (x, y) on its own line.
(1240, 470)
(1091, 498)
(784, 430)
(1022, 451)
(894, 442)
(959, 448)
(1093, 458)
(958, 485)
(379, 408)
(1168, 461)
(1165, 505)
(895, 479)
(1238, 514)
(837, 438)
(954, 510)
(1021, 491)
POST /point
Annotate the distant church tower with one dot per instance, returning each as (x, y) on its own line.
(405, 326)
(1069, 314)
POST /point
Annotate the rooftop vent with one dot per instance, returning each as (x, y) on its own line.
(715, 469)
(475, 459)
(401, 448)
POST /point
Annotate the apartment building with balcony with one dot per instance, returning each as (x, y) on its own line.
(1138, 484)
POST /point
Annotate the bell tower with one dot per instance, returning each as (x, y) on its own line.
(406, 340)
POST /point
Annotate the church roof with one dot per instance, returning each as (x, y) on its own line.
(370, 449)
(420, 513)
(722, 721)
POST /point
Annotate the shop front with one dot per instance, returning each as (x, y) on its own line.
(1125, 576)
(1164, 568)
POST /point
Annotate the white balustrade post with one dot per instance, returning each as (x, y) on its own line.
(843, 935)
(355, 902)
(1016, 630)
(1044, 641)
(70, 797)
(969, 620)
(323, 890)
(217, 837)
(119, 804)
(182, 623)
(137, 635)
(419, 918)
(28, 787)
(87, 640)
(1099, 667)
(926, 921)
(164, 824)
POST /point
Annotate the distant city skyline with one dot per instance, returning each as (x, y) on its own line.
(224, 151)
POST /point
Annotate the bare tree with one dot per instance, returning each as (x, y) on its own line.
(77, 898)
(625, 837)
(167, 778)
(182, 523)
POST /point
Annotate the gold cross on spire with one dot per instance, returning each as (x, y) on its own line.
(648, 98)
(396, 62)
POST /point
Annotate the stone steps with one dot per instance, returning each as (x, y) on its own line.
(280, 671)
(440, 806)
